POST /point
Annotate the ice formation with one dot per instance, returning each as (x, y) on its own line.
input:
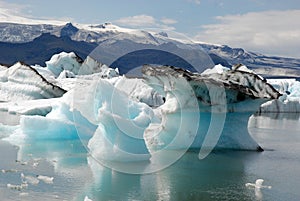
(29, 179)
(86, 198)
(64, 61)
(67, 65)
(22, 82)
(57, 124)
(132, 119)
(289, 102)
(258, 184)
(91, 66)
(221, 98)
(257, 188)
(2, 67)
(45, 179)
(139, 91)
(120, 122)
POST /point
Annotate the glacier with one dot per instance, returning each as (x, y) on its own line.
(155, 118)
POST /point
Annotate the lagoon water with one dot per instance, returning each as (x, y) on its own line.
(220, 176)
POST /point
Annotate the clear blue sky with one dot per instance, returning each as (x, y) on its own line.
(266, 26)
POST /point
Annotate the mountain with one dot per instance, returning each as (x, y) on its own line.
(41, 49)
(43, 40)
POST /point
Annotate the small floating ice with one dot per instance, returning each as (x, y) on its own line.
(257, 188)
(17, 187)
(35, 164)
(22, 162)
(86, 198)
(46, 179)
(9, 171)
(258, 184)
(29, 179)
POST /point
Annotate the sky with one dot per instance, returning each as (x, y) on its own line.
(270, 27)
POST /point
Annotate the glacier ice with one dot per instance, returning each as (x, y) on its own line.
(120, 122)
(2, 67)
(131, 119)
(138, 90)
(22, 82)
(290, 100)
(58, 124)
(65, 65)
(64, 61)
(45, 179)
(221, 98)
(257, 187)
(91, 66)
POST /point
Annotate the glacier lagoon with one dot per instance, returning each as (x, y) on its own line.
(220, 176)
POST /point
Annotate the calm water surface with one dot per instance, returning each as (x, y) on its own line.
(220, 176)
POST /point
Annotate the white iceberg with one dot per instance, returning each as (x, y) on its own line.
(120, 122)
(22, 82)
(130, 119)
(64, 61)
(290, 100)
(226, 101)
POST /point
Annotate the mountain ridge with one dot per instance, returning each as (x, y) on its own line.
(39, 38)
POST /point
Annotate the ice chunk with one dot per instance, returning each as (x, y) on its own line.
(120, 122)
(289, 102)
(221, 99)
(138, 90)
(64, 61)
(58, 124)
(219, 69)
(46, 179)
(257, 186)
(17, 187)
(86, 198)
(22, 82)
(91, 66)
(2, 68)
(66, 74)
(29, 179)
(29, 107)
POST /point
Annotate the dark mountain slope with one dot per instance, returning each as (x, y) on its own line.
(41, 49)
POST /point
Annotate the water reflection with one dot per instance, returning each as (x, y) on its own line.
(219, 176)
(281, 121)
(63, 154)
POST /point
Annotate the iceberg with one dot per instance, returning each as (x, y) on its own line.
(57, 124)
(2, 68)
(64, 61)
(22, 82)
(120, 122)
(138, 90)
(155, 119)
(92, 66)
(288, 102)
(225, 99)
(64, 65)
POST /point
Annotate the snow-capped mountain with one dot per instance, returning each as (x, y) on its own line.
(14, 36)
